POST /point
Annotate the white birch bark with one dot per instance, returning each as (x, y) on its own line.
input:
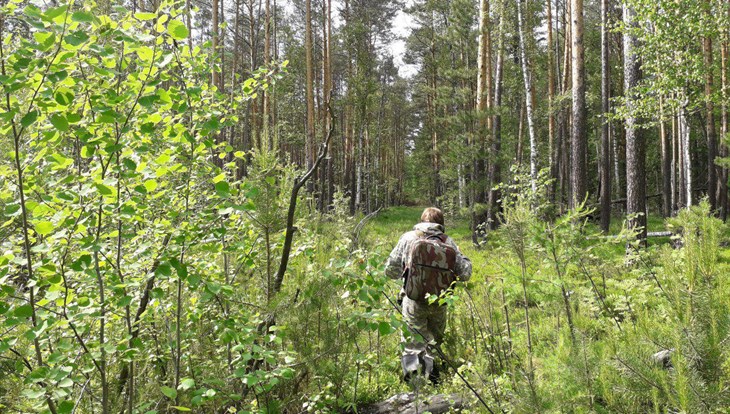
(527, 78)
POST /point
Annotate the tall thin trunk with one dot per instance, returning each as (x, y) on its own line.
(222, 47)
(635, 145)
(552, 147)
(676, 164)
(484, 88)
(722, 197)
(432, 116)
(495, 171)
(330, 185)
(267, 130)
(684, 138)
(519, 148)
(254, 122)
(527, 78)
(309, 142)
(214, 10)
(666, 164)
(565, 118)
(578, 137)
(605, 145)
(710, 126)
(188, 21)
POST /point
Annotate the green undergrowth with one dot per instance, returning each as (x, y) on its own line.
(596, 315)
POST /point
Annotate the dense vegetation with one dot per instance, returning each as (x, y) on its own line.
(196, 211)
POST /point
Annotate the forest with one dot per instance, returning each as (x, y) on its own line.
(198, 199)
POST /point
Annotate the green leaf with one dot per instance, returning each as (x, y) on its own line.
(170, 393)
(66, 407)
(57, 76)
(12, 210)
(33, 394)
(177, 30)
(164, 269)
(54, 12)
(126, 300)
(24, 311)
(76, 38)
(87, 152)
(29, 118)
(82, 16)
(148, 100)
(45, 39)
(144, 16)
(150, 185)
(59, 122)
(223, 189)
(104, 190)
(44, 227)
(64, 96)
(186, 384)
(179, 408)
(385, 328)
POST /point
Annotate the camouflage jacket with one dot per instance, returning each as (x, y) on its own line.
(398, 257)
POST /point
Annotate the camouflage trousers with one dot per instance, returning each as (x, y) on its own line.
(426, 325)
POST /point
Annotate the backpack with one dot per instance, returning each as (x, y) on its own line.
(430, 268)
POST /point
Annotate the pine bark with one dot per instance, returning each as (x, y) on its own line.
(635, 145)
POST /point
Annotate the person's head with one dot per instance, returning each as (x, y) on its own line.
(433, 215)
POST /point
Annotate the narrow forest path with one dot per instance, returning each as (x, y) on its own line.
(380, 235)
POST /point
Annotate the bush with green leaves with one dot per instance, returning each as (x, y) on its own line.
(118, 216)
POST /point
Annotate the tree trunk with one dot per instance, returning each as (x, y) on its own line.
(214, 9)
(495, 169)
(309, 142)
(684, 138)
(578, 137)
(254, 122)
(635, 145)
(564, 127)
(676, 164)
(552, 147)
(527, 78)
(722, 197)
(484, 89)
(267, 130)
(666, 164)
(710, 126)
(605, 144)
(432, 117)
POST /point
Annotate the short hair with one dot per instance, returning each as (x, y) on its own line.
(433, 215)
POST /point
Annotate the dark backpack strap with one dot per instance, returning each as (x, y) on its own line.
(441, 237)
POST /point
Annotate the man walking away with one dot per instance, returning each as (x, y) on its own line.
(429, 262)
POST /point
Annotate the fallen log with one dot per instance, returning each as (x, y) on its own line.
(406, 403)
(649, 234)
